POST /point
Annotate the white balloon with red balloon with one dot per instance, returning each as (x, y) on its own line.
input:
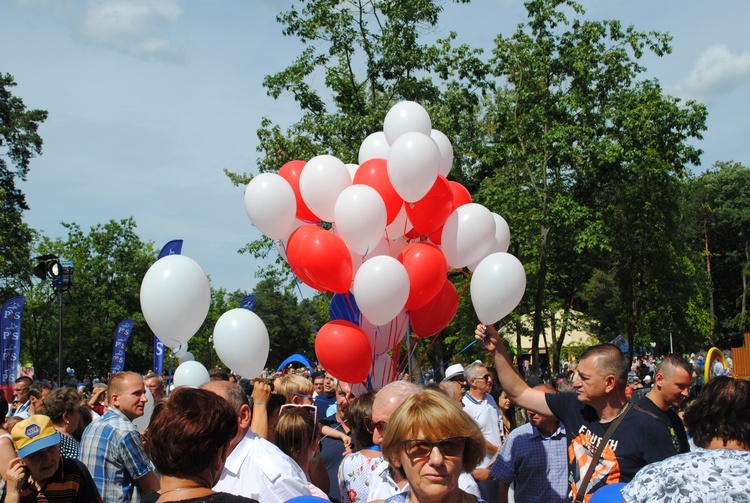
(446, 151)
(381, 288)
(467, 235)
(270, 204)
(406, 117)
(375, 146)
(360, 217)
(321, 181)
(497, 286)
(191, 374)
(413, 165)
(175, 298)
(241, 342)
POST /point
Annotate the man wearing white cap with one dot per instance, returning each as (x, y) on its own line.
(456, 373)
(39, 473)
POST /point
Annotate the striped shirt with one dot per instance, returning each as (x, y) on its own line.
(111, 449)
(71, 482)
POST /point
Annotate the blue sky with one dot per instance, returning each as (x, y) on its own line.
(150, 100)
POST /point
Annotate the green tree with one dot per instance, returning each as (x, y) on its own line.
(110, 262)
(19, 143)
(722, 235)
(566, 126)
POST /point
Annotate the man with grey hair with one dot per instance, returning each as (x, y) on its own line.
(386, 482)
(155, 385)
(255, 468)
(484, 411)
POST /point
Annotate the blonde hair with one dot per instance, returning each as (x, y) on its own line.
(438, 417)
(292, 385)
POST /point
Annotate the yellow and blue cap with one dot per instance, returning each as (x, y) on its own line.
(34, 434)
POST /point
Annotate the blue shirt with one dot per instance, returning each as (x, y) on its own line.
(538, 464)
(111, 449)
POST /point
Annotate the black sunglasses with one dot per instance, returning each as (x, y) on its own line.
(421, 448)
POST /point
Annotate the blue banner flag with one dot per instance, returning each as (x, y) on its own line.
(248, 303)
(174, 247)
(122, 334)
(10, 328)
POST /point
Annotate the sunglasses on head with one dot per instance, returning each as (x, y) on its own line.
(287, 407)
(420, 448)
(372, 426)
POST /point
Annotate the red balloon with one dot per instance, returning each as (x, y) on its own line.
(436, 315)
(429, 213)
(294, 250)
(321, 260)
(461, 195)
(437, 236)
(343, 350)
(374, 172)
(427, 269)
(290, 172)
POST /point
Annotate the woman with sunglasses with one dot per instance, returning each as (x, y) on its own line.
(431, 441)
(297, 436)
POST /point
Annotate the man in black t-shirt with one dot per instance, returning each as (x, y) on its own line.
(598, 400)
(671, 387)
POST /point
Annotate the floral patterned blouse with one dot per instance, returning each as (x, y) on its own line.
(355, 473)
(716, 475)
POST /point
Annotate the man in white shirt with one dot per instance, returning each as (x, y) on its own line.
(256, 468)
(484, 411)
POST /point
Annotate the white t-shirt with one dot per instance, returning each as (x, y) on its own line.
(487, 416)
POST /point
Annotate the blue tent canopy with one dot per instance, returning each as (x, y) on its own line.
(295, 358)
(621, 342)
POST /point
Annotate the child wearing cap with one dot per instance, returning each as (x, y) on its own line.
(39, 473)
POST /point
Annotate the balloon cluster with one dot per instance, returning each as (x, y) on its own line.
(398, 227)
(175, 299)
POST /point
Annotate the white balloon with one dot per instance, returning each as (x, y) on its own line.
(375, 146)
(352, 169)
(241, 341)
(502, 232)
(360, 217)
(406, 117)
(270, 204)
(192, 374)
(321, 181)
(175, 298)
(446, 151)
(467, 235)
(381, 288)
(385, 337)
(501, 243)
(413, 165)
(281, 243)
(497, 286)
(180, 351)
(188, 357)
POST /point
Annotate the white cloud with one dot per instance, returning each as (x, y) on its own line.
(134, 27)
(718, 71)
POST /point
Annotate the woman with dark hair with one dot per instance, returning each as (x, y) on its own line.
(63, 407)
(188, 441)
(431, 441)
(507, 415)
(355, 471)
(719, 423)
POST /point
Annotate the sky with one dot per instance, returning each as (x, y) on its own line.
(149, 101)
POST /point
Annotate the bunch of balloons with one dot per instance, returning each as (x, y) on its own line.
(398, 227)
(175, 299)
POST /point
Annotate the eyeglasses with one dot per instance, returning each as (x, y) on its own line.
(298, 406)
(421, 448)
(372, 426)
(486, 377)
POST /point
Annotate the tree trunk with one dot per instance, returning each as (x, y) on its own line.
(539, 300)
(707, 252)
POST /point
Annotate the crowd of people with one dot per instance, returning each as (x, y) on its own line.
(484, 433)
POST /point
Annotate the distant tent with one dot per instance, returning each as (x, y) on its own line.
(295, 358)
(621, 342)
